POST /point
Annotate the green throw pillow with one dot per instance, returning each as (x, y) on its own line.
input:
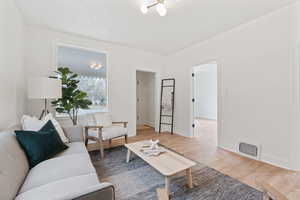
(40, 145)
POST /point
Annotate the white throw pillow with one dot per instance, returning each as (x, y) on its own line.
(103, 119)
(33, 124)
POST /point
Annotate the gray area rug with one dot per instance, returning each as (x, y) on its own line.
(137, 180)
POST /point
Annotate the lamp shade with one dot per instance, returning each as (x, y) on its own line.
(44, 88)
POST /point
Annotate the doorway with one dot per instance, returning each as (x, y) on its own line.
(205, 102)
(145, 101)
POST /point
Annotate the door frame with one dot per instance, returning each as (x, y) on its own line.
(137, 101)
(220, 120)
(157, 76)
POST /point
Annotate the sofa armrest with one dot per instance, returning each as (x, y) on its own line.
(98, 191)
(102, 191)
(74, 133)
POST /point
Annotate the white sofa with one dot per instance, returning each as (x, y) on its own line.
(69, 175)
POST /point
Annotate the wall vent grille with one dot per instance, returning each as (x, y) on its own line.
(249, 149)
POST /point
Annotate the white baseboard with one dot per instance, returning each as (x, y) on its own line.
(206, 117)
(273, 160)
(265, 158)
(180, 132)
(151, 124)
(132, 134)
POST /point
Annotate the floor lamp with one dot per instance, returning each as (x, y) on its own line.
(44, 88)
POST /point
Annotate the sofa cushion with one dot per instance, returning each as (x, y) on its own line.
(61, 189)
(13, 166)
(74, 148)
(56, 169)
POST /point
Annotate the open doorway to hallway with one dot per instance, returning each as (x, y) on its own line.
(145, 101)
(205, 101)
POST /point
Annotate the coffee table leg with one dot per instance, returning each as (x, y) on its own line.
(167, 186)
(189, 177)
(128, 156)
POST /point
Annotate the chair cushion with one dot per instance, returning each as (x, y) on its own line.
(74, 148)
(110, 132)
(61, 189)
(86, 120)
(113, 132)
(40, 145)
(13, 165)
(57, 169)
(103, 119)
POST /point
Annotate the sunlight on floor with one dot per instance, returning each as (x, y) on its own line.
(206, 130)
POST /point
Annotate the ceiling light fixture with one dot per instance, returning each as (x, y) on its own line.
(95, 66)
(160, 7)
(144, 8)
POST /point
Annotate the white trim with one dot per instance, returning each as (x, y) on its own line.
(180, 132)
(265, 158)
(209, 117)
(297, 106)
(151, 124)
(274, 160)
(59, 43)
(157, 100)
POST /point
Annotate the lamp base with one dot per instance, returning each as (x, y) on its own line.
(45, 111)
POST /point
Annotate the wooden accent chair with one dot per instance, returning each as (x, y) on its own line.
(99, 128)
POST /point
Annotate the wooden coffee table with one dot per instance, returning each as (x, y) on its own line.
(168, 164)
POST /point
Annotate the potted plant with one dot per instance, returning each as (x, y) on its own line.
(72, 99)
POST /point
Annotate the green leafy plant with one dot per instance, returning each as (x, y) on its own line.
(72, 99)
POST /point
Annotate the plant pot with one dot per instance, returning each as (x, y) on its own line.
(75, 133)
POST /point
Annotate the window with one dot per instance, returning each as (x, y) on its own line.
(91, 67)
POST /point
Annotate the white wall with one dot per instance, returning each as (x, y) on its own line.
(259, 93)
(205, 91)
(258, 73)
(11, 64)
(122, 63)
(146, 95)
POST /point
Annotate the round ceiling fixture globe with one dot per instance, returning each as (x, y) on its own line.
(161, 9)
(144, 9)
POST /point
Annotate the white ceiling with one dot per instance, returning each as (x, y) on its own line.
(120, 21)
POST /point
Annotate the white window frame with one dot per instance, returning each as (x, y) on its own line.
(58, 44)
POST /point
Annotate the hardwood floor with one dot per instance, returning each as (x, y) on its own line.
(143, 127)
(246, 170)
